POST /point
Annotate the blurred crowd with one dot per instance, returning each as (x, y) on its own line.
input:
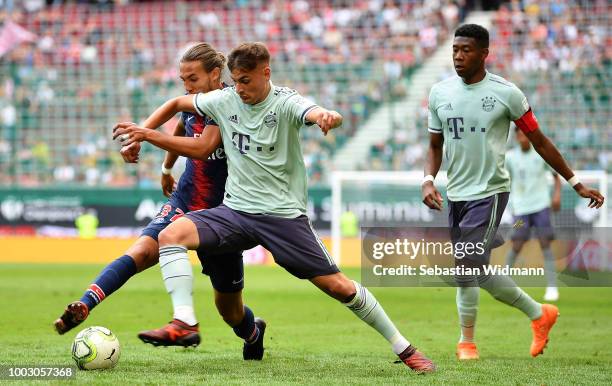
(85, 67)
(559, 52)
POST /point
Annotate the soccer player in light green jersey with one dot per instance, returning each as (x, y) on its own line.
(531, 203)
(469, 120)
(266, 195)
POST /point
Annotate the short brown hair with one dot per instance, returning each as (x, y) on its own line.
(205, 54)
(247, 56)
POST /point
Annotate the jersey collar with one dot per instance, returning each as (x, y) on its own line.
(266, 100)
(477, 84)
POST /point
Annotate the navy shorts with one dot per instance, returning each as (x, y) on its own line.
(477, 222)
(540, 221)
(292, 241)
(169, 212)
(226, 272)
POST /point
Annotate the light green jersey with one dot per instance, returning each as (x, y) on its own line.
(474, 120)
(530, 190)
(266, 171)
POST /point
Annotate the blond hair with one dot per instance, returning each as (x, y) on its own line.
(205, 54)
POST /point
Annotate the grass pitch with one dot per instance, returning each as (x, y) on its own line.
(310, 339)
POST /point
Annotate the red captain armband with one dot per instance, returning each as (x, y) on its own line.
(528, 122)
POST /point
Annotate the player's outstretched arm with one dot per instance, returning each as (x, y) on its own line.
(431, 197)
(129, 151)
(170, 109)
(325, 119)
(198, 148)
(549, 152)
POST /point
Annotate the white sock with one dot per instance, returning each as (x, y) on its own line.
(178, 278)
(185, 314)
(367, 308)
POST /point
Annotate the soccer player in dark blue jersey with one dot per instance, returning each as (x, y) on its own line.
(201, 186)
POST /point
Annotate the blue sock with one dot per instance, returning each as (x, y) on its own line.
(110, 279)
(247, 329)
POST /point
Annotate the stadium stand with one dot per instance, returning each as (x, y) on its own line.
(88, 67)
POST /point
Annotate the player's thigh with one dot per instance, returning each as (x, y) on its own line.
(144, 252)
(225, 270)
(168, 213)
(478, 226)
(521, 231)
(181, 232)
(294, 245)
(485, 212)
(219, 230)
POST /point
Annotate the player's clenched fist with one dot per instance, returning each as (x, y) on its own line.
(130, 152)
(328, 120)
(431, 197)
(129, 132)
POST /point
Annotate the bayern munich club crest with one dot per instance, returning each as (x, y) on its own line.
(488, 103)
(270, 119)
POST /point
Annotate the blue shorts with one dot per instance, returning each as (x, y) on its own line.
(539, 221)
(169, 212)
(226, 272)
(292, 241)
(477, 222)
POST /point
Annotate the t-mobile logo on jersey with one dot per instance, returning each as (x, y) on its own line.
(455, 126)
(242, 142)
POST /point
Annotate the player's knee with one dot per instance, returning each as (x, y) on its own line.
(517, 245)
(170, 236)
(144, 254)
(544, 243)
(465, 281)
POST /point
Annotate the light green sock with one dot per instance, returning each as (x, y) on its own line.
(504, 289)
(367, 308)
(549, 267)
(467, 307)
(178, 278)
(511, 258)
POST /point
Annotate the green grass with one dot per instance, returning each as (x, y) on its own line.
(310, 339)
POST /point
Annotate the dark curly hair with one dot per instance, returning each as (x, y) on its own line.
(476, 32)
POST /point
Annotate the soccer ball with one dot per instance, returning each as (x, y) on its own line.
(96, 348)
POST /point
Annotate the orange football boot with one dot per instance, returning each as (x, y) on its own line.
(175, 333)
(416, 361)
(541, 327)
(467, 351)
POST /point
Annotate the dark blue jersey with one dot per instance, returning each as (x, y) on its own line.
(202, 184)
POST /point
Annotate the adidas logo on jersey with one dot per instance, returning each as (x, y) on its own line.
(447, 107)
(234, 118)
